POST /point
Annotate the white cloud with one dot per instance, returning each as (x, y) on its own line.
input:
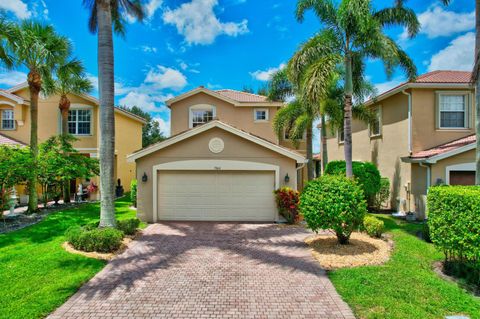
(166, 78)
(148, 49)
(164, 125)
(438, 22)
(458, 55)
(152, 7)
(385, 86)
(147, 102)
(12, 78)
(197, 22)
(264, 75)
(17, 7)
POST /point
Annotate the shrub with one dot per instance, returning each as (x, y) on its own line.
(133, 192)
(366, 173)
(333, 202)
(454, 223)
(287, 202)
(128, 226)
(381, 197)
(373, 226)
(426, 233)
(103, 240)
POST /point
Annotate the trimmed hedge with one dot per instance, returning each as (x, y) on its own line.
(366, 173)
(287, 203)
(333, 202)
(104, 240)
(133, 192)
(128, 226)
(373, 226)
(454, 225)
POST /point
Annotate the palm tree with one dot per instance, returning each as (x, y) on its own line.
(353, 31)
(6, 29)
(70, 79)
(40, 49)
(105, 15)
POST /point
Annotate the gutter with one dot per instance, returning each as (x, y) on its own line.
(429, 174)
(410, 152)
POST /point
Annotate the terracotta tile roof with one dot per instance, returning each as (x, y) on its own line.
(242, 96)
(5, 140)
(442, 76)
(444, 148)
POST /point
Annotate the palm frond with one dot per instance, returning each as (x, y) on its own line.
(324, 9)
(279, 88)
(286, 116)
(400, 16)
(318, 77)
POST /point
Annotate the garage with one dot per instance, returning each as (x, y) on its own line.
(216, 195)
(462, 178)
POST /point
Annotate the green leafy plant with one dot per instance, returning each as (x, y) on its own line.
(104, 240)
(365, 173)
(133, 192)
(128, 226)
(287, 202)
(373, 226)
(333, 202)
(426, 232)
(381, 197)
(15, 163)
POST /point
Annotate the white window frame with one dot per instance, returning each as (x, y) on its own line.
(467, 107)
(10, 119)
(200, 107)
(76, 109)
(255, 118)
(378, 111)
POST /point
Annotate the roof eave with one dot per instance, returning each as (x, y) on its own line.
(434, 159)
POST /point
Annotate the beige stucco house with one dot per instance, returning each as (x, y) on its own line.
(222, 161)
(424, 136)
(83, 124)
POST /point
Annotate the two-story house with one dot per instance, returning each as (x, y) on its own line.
(83, 123)
(222, 161)
(424, 135)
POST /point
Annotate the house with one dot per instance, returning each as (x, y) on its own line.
(83, 124)
(222, 161)
(424, 135)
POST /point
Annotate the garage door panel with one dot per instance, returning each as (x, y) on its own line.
(216, 195)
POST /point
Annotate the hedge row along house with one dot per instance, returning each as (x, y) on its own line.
(424, 135)
(83, 123)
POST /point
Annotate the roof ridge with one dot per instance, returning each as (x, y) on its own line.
(243, 92)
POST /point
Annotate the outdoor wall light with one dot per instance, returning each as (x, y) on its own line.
(287, 178)
(144, 177)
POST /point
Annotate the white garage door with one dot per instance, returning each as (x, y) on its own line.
(216, 195)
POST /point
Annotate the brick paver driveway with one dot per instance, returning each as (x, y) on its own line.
(210, 270)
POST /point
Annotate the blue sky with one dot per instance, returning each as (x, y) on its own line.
(183, 44)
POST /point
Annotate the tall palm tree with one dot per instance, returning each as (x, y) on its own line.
(70, 79)
(352, 32)
(6, 28)
(105, 15)
(40, 49)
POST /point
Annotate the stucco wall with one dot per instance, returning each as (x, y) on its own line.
(439, 169)
(196, 148)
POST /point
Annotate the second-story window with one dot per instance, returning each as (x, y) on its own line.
(453, 110)
(260, 115)
(376, 126)
(201, 114)
(8, 122)
(80, 122)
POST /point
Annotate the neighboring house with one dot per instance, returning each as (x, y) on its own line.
(424, 136)
(222, 161)
(83, 124)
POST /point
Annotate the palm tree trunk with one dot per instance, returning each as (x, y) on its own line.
(310, 164)
(324, 144)
(347, 116)
(64, 106)
(477, 91)
(107, 120)
(35, 85)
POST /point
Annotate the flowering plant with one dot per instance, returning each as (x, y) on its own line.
(92, 188)
(287, 203)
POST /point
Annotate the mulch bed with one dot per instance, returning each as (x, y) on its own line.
(362, 251)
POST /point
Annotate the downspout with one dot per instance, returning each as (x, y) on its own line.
(410, 152)
(429, 174)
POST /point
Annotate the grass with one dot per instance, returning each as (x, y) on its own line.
(406, 286)
(36, 274)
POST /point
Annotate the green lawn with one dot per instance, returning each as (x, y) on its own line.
(36, 274)
(405, 287)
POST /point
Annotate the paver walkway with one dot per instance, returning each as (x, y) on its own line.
(211, 270)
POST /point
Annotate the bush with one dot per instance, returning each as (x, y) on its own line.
(104, 240)
(373, 226)
(426, 233)
(133, 192)
(454, 223)
(333, 202)
(366, 173)
(287, 202)
(380, 198)
(128, 226)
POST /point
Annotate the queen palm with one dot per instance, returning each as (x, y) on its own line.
(70, 79)
(106, 15)
(352, 32)
(40, 49)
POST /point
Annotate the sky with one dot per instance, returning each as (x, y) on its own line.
(183, 44)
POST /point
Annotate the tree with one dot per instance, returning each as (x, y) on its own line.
(105, 15)
(70, 79)
(352, 32)
(15, 163)
(151, 132)
(40, 49)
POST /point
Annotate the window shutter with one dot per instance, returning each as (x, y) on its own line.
(437, 110)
